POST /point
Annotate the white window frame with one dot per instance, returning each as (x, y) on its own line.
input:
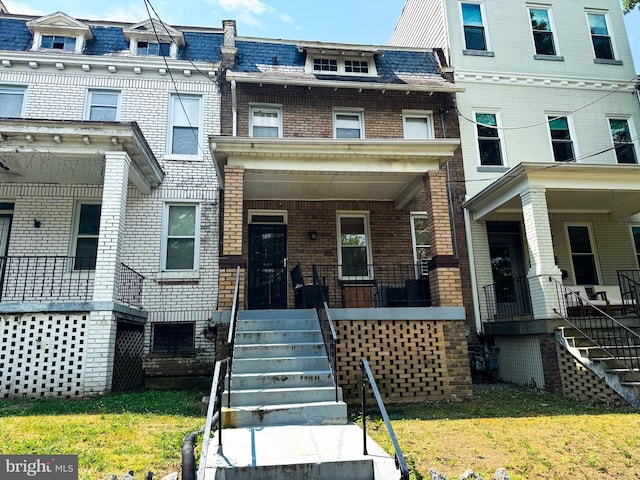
(175, 103)
(77, 207)
(483, 16)
(367, 232)
(633, 243)
(594, 250)
(267, 108)
(340, 65)
(419, 114)
(165, 237)
(614, 50)
(503, 150)
(359, 113)
(15, 90)
(89, 103)
(632, 134)
(283, 214)
(133, 46)
(572, 135)
(552, 30)
(420, 263)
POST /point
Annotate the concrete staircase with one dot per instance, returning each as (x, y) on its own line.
(284, 421)
(281, 374)
(625, 381)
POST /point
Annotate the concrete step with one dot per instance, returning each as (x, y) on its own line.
(316, 413)
(278, 336)
(309, 378)
(279, 350)
(281, 396)
(280, 364)
(276, 314)
(278, 324)
(352, 470)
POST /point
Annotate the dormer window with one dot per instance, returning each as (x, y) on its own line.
(53, 42)
(152, 38)
(325, 65)
(343, 66)
(59, 32)
(339, 60)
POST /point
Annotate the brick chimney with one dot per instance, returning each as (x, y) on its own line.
(229, 49)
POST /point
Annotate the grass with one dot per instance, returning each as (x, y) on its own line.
(534, 435)
(112, 434)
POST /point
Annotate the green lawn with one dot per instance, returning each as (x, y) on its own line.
(535, 435)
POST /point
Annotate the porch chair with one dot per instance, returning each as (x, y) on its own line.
(305, 296)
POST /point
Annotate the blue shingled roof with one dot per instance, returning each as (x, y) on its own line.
(413, 62)
(251, 54)
(199, 46)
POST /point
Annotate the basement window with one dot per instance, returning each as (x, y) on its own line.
(174, 338)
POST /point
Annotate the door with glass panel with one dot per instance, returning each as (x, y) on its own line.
(267, 272)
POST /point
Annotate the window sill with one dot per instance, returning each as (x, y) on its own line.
(478, 53)
(184, 158)
(606, 61)
(492, 168)
(553, 58)
(178, 276)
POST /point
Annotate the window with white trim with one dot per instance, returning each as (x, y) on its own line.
(542, 29)
(265, 121)
(185, 119)
(180, 236)
(489, 139)
(418, 125)
(162, 49)
(601, 40)
(623, 140)
(348, 124)
(11, 102)
(338, 65)
(86, 229)
(635, 237)
(561, 142)
(55, 42)
(354, 245)
(421, 240)
(582, 255)
(473, 26)
(102, 105)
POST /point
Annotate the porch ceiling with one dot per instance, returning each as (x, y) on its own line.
(570, 187)
(331, 169)
(72, 152)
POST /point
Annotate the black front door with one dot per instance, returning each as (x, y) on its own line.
(267, 275)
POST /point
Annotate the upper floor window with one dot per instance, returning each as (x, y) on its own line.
(356, 66)
(489, 139)
(151, 48)
(53, 42)
(85, 235)
(180, 237)
(418, 125)
(102, 105)
(185, 120)
(325, 65)
(622, 140)
(348, 124)
(542, 31)
(600, 37)
(11, 102)
(265, 122)
(561, 139)
(322, 63)
(473, 25)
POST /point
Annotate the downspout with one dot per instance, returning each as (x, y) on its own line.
(472, 271)
(234, 108)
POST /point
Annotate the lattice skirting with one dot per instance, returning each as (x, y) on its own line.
(42, 355)
(128, 373)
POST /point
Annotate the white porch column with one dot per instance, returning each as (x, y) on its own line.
(538, 231)
(112, 223)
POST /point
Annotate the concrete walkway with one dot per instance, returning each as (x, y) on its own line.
(319, 451)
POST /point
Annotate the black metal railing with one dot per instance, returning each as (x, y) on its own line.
(231, 338)
(367, 286)
(368, 379)
(615, 339)
(328, 329)
(508, 299)
(629, 283)
(130, 289)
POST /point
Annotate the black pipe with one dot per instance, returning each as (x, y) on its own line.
(189, 457)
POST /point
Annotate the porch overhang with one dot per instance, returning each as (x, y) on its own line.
(612, 189)
(72, 152)
(331, 169)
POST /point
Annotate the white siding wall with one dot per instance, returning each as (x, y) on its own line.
(422, 24)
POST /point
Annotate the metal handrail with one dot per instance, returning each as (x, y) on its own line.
(629, 283)
(231, 338)
(367, 377)
(614, 338)
(329, 335)
(130, 288)
(214, 411)
(509, 299)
